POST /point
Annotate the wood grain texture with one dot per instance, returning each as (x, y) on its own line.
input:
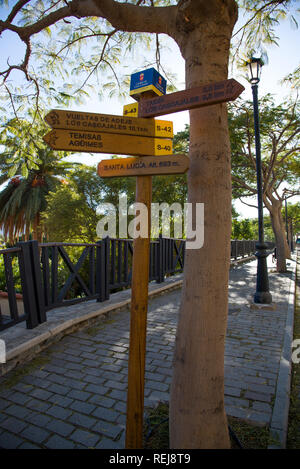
(144, 165)
(93, 122)
(213, 93)
(138, 322)
(96, 142)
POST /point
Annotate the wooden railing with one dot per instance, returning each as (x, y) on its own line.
(51, 275)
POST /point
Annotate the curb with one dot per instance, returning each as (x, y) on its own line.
(52, 331)
(279, 422)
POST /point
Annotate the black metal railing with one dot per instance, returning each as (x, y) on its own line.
(21, 277)
(50, 275)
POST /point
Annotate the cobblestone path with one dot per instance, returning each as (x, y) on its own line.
(75, 397)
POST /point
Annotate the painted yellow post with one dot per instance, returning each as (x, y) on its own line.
(138, 321)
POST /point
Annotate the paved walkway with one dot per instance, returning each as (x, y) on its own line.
(77, 397)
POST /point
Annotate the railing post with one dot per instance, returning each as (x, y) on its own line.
(249, 248)
(102, 270)
(235, 249)
(31, 280)
(243, 248)
(160, 259)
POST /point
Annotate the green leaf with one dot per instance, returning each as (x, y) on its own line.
(24, 170)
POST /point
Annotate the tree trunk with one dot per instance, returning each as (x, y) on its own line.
(280, 236)
(197, 415)
(287, 251)
(37, 228)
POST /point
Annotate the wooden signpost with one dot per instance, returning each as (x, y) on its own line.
(142, 166)
(100, 142)
(214, 93)
(92, 122)
(142, 136)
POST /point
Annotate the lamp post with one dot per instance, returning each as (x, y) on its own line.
(262, 294)
(286, 219)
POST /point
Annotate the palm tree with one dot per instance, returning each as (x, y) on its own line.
(30, 170)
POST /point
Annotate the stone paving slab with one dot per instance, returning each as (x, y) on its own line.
(77, 397)
(23, 344)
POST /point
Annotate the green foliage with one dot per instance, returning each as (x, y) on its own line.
(181, 141)
(30, 170)
(292, 79)
(68, 218)
(74, 208)
(242, 229)
(16, 274)
(76, 55)
(280, 143)
(293, 215)
(81, 56)
(258, 31)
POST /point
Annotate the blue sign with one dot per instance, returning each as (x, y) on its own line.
(147, 80)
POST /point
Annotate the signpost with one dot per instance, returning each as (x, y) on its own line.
(145, 165)
(206, 95)
(100, 142)
(128, 135)
(92, 122)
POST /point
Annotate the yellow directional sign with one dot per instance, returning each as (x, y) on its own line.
(96, 142)
(92, 122)
(143, 166)
(131, 109)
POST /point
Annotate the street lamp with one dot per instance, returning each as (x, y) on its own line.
(262, 294)
(286, 223)
(284, 192)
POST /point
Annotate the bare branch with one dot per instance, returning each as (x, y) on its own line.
(242, 183)
(288, 153)
(81, 38)
(109, 36)
(245, 203)
(12, 102)
(264, 7)
(15, 10)
(291, 136)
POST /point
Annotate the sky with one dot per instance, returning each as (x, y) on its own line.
(281, 61)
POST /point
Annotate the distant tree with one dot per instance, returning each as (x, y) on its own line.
(280, 145)
(68, 218)
(293, 218)
(30, 170)
(242, 229)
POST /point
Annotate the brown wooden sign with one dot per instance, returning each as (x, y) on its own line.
(146, 165)
(96, 142)
(219, 92)
(88, 121)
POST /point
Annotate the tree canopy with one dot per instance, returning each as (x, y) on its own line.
(86, 44)
(280, 146)
(30, 170)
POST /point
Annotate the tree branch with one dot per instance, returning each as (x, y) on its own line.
(242, 183)
(245, 203)
(264, 7)
(123, 16)
(134, 18)
(15, 10)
